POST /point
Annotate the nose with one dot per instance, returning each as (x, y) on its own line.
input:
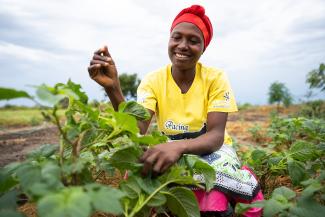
(183, 45)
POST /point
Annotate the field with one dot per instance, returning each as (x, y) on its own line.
(22, 130)
(88, 147)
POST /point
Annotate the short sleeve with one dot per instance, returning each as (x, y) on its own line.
(146, 95)
(221, 97)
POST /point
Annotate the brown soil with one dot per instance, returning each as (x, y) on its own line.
(16, 143)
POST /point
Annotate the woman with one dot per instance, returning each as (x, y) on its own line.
(191, 103)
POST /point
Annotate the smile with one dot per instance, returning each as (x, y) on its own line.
(182, 56)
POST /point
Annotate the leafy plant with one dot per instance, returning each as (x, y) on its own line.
(285, 202)
(279, 93)
(61, 179)
(316, 78)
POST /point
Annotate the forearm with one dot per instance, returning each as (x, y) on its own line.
(115, 95)
(204, 144)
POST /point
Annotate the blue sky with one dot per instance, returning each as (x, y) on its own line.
(255, 42)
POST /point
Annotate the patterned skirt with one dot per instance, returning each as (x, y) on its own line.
(230, 178)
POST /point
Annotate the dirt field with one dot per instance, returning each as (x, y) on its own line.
(16, 143)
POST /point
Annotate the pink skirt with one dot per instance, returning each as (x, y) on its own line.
(217, 201)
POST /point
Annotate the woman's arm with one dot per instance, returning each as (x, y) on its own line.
(160, 157)
(102, 69)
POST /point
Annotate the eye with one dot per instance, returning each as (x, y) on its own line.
(195, 40)
(176, 37)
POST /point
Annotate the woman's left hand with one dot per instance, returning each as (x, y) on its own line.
(160, 157)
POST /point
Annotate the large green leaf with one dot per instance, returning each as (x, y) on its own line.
(9, 93)
(50, 180)
(274, 206)
(69, 202)
(44, 151)
(131, 187)
(76, 88)
(297, 171)
(182, 202)
(47, 95)
(286, 192)
(28, 174)
(209, 174)
(104, 198)
(302, 151)
(8, 200)
(134, 109)
(157, 200)
(10, 213)
(148, 184)
(126, 158)
(6, 180)
(125, 122)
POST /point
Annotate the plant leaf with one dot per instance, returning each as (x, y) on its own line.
(297, 171)
(286, 192)
(9, 93)
(134, 109)
(10, 213)
(182, 202)
(69, 202)
(126, 158)
(104, 198)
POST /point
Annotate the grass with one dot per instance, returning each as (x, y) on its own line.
(21, 117)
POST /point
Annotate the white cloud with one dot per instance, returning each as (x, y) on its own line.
(256, 42)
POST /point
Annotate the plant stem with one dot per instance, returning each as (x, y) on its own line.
(137, 209)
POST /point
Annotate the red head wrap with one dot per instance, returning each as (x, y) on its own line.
(196, 15)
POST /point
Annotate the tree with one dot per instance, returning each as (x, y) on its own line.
(129, 84)
(278, 93)
(316, 78)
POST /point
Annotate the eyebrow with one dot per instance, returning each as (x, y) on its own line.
(192, 35)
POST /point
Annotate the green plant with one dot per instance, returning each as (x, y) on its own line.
(316, 78)
(278, 93)
(313, 109)
(61, 179)
(256, 132)
(285, 202)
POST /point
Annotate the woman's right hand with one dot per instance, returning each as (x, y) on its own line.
(102, 69)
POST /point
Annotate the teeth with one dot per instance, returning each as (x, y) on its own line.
(181, 55)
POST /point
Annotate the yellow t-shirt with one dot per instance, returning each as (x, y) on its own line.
(185, 115)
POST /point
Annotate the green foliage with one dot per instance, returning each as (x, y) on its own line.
(285, 202)
(279, 93)
(61, 179)
(316, 78)
(134, 109)
(9, 93)
(129, 84)
(296, 149)
(313, 109)
(256, 132)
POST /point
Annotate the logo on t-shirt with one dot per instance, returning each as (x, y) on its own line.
(170, 125)
(223, 103)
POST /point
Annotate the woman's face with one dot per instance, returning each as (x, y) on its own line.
(185, 45)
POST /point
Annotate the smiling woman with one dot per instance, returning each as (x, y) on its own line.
(191, 103)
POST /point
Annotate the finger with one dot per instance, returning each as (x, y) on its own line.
(103, 58)
(106, 52)
(93, 70)
(103, 51)
(96, 62)
(145, 155)
(158, 166)
(148, 164)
